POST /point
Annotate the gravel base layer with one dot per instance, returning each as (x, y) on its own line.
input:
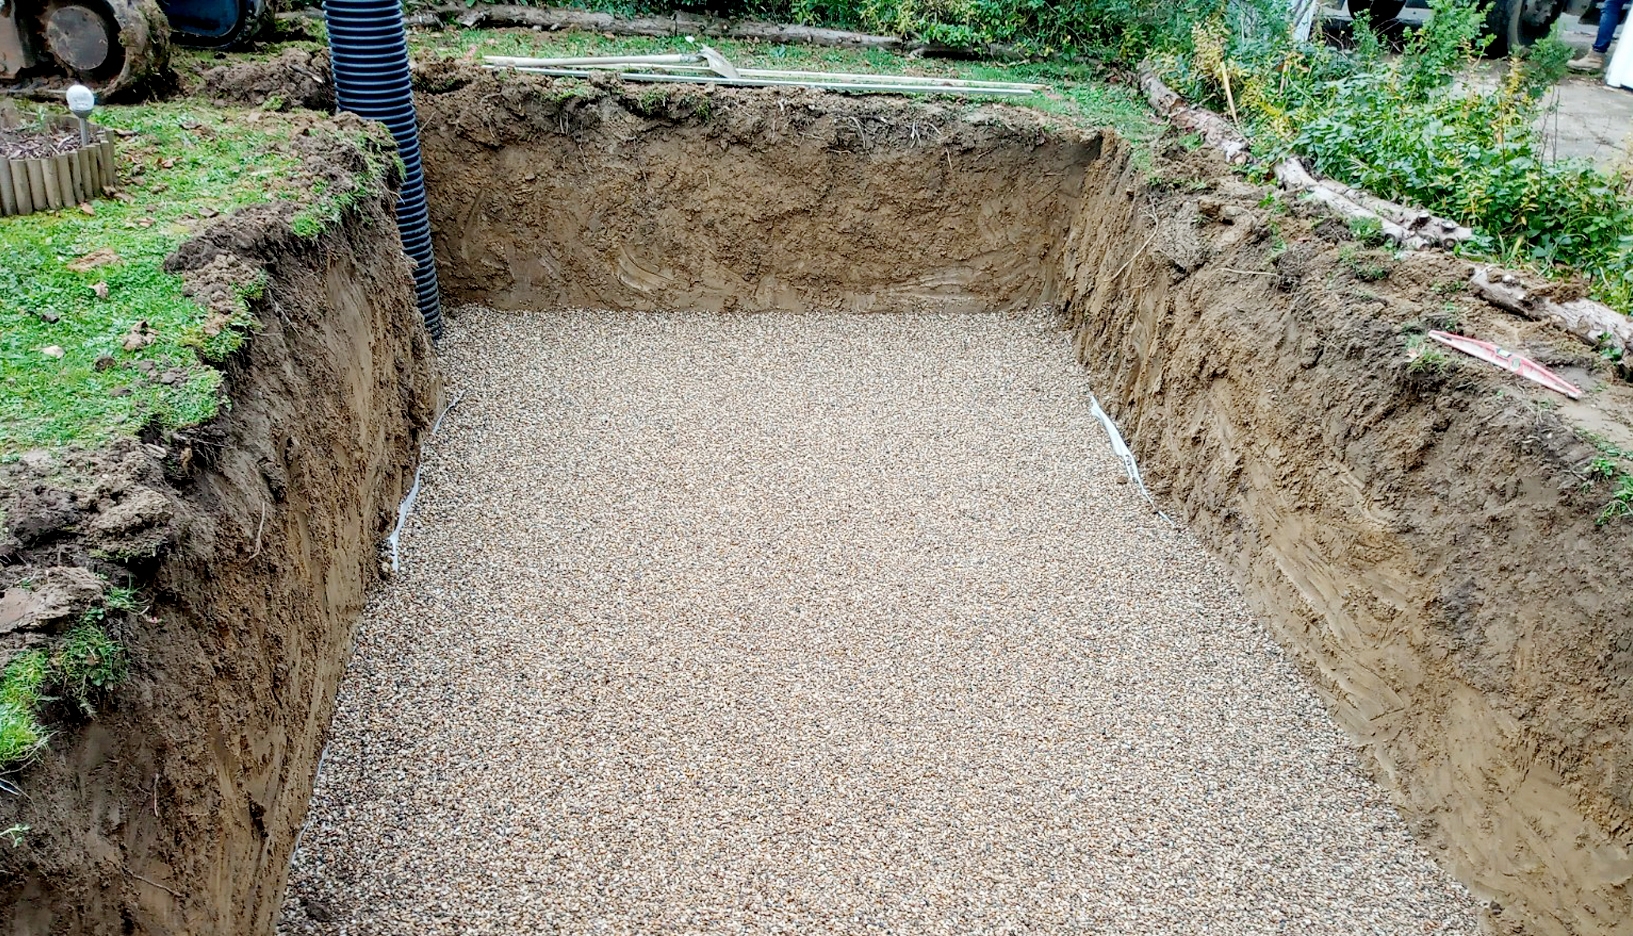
(795, 624)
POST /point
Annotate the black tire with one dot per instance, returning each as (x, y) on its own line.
(217, 25)
(1381, 11)
(1515, 24)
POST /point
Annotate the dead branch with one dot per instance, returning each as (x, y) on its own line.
(1593, 323)
(1409, 227)
(1435, 230)
(1216, 130)
(1295, 178)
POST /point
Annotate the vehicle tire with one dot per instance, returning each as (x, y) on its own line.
(1382, 11)
(217, 24)
(1515, 24)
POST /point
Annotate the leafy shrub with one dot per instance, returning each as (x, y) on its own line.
(1127, 30)
(1402, 130)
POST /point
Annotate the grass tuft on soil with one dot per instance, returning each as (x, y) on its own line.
(97, 341)
(83, 667)
(87, 664)
(22, 689)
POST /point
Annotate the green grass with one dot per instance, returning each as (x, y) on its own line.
(88, 663)
(22, 689)
(1077, 94)
(1368, 266)
(196, 163)
(81, 668)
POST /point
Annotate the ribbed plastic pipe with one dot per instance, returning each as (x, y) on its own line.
(369, 54)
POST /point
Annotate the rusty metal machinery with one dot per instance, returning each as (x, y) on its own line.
(113, 44)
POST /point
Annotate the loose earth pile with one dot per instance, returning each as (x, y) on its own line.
(794, 624)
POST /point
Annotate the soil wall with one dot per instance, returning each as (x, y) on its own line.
(1421, 536)
(548, 198)
(176, 808)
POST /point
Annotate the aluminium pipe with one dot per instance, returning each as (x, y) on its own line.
(368, 52)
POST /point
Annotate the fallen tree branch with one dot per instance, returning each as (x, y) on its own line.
(1435, 230)
(1295, 178)
(1411, 228)
(1595, 324)
(1216, 130)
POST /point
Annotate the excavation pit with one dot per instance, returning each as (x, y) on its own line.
(1369, 509)
(808, 565)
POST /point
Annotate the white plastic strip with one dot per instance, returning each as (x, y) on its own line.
(407, 506)
(1121, 450)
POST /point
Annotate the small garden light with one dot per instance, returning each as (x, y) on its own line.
(81, 101)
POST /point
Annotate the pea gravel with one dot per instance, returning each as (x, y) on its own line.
(812, 624)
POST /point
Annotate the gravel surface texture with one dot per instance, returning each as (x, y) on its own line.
(810, 624)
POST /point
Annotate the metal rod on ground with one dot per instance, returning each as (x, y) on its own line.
(589, 61)
(697, 63)
(885, 82)
(708, 62)
(774, 83)
(904, 79)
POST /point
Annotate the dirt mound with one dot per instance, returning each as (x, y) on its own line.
(651, 199)
(295, 77)
(1420, 529)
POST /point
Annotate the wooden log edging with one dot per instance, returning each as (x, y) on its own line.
(63, 180)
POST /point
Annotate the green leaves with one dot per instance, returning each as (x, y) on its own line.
(1405, 132)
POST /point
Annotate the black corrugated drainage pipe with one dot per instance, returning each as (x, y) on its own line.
(369, 54)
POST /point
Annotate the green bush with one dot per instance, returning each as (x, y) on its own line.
(1124, 29)
(1402, 130)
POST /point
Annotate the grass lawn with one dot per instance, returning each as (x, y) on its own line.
(70, 374)
(1078, 94)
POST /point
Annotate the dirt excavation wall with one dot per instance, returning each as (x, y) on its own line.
(747, 202)
(1422, 535)
(175, 810)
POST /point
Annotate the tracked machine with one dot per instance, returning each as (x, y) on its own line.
(112, 44)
